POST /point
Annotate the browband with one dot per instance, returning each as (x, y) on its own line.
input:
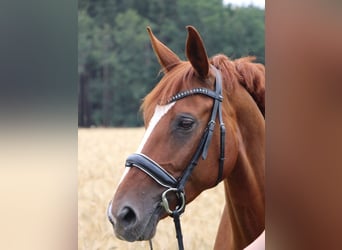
(202, 91)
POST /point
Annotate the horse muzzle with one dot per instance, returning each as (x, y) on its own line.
(130, 225)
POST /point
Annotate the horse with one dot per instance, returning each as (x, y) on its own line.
(183, 152)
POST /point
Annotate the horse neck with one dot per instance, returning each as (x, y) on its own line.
(244, 187)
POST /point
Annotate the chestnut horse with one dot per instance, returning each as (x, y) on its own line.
(183, 153)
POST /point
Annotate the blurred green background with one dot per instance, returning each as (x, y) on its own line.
(116, 64)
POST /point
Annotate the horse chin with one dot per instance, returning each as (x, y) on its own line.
(130, 236)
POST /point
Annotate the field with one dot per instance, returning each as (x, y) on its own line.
(101, 156)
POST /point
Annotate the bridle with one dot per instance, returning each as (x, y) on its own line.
(162, 177)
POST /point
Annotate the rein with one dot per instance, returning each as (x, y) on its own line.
(162, 177)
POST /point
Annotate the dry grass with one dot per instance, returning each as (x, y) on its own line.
(101, 157)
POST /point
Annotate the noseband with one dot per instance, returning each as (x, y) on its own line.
(162, 177)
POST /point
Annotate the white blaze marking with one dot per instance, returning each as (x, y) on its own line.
(109, 212)
(124, 174)
(159, 112)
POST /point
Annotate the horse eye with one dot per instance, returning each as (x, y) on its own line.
(186, 124)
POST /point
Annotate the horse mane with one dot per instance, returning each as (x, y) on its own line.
(241, 71)
(250, 75)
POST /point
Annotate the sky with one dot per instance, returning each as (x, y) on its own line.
(259, 3)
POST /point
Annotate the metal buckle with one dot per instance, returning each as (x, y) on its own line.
(165, 203)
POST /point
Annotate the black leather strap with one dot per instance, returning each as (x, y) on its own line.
(201, 91)
(151, 168)
(204, 144)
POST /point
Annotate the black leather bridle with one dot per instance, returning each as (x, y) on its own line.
(162, 177)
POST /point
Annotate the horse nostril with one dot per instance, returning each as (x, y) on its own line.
(127, 216)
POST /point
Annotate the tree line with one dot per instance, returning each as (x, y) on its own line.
(117, 66)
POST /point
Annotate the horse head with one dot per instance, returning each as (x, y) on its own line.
(180, 114)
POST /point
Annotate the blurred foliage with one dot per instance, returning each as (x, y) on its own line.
(117, 66)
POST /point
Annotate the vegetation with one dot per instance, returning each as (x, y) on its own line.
(117, 66)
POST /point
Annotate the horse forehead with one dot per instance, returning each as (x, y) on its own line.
(159, 112)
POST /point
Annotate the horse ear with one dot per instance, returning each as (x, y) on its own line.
(166, 57)
(196, 53)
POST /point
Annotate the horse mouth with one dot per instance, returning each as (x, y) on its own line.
(142, 230)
